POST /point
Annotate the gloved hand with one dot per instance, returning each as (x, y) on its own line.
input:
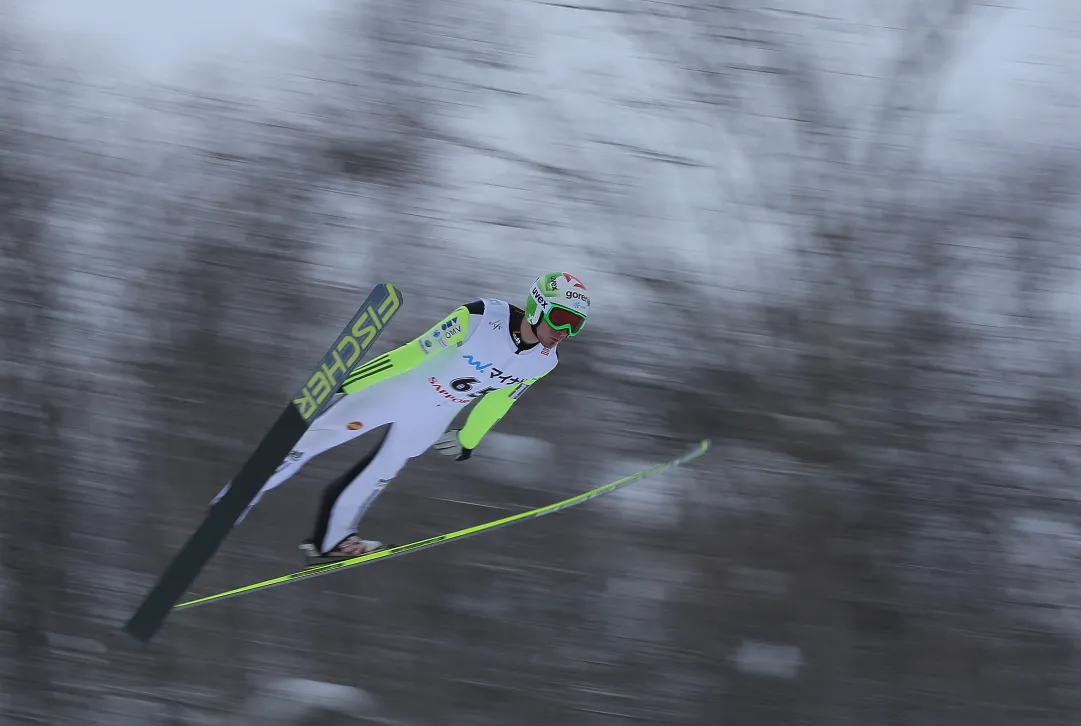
(449, 445)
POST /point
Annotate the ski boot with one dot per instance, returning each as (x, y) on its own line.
(351, 546)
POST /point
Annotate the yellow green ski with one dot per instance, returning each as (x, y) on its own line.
(386, 554)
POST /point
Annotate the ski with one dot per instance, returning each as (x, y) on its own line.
(326, 569)
(317, 393)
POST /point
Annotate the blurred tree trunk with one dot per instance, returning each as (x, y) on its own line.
(34, 519)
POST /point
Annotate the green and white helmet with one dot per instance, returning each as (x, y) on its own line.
(561, 300)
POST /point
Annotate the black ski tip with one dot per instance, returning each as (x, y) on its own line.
(143, 629)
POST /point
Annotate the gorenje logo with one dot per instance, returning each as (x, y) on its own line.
(476, 364)
(572, 295)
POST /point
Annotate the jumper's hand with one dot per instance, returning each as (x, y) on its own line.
(449, 445)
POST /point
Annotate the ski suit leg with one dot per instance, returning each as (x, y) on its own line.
(351, 416)
(417, 425)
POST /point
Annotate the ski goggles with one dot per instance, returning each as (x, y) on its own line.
(565, 319)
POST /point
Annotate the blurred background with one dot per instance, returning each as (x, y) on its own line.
(837, 237)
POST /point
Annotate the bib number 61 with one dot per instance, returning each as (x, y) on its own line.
(465, 385)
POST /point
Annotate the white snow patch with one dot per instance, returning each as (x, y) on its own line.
(1047, 551)
(63, 641)
(768, 659)
(515, 448)
(514, 459)
(288, 700)
(158, 41)
(656, 501)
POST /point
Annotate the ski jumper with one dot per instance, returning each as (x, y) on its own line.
(473, 354)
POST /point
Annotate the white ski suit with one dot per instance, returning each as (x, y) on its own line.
(473, 354)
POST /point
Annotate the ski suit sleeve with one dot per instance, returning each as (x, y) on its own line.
(449, 332)
(489, 410)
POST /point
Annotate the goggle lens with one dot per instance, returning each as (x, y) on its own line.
(564, 319)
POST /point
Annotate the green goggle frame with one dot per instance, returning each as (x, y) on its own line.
(561, 318)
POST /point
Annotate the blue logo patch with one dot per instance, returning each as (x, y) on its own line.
(451, 327)
(477, 364)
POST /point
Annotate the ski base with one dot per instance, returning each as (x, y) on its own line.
(317, 394)
(386, 554)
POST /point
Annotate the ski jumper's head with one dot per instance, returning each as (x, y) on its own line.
(557, 307)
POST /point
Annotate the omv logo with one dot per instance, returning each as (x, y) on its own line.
(476, 364)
